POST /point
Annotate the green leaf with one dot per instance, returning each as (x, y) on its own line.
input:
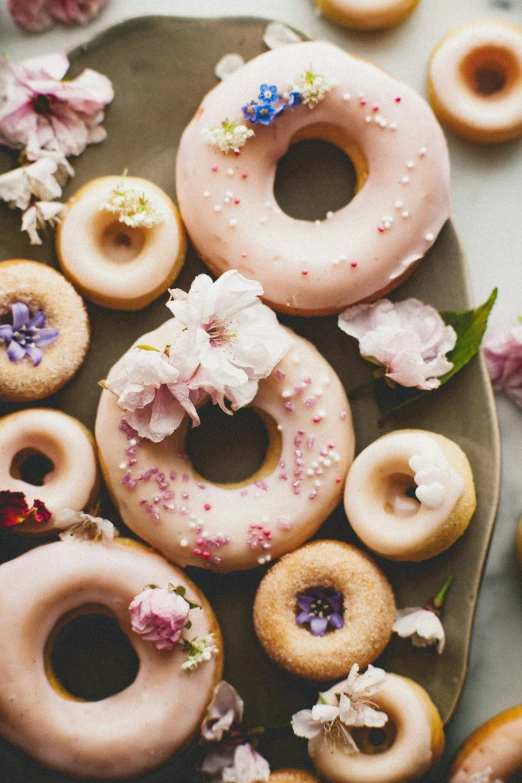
(470, 326)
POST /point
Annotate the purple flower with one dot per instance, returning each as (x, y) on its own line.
(268, 94)
(26, 334)
(320, 607)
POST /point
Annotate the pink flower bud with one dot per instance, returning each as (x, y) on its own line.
(159, 615)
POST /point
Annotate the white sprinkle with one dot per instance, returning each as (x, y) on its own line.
(405, 180)
(335, 261)
(327, 462)
(193, 516)
(230, 172)
(233, 223)
(317, 222)
(264, 219)
(410, 164)
(133, 442)
(336, 458)
(310, 472)
(320, 459)
(192, 525)
(260, 560)
(315, 464)
(342, 258)
(268, 558)
(346, 96)
(383, 123)
(205, 534)
(318, 392)
(387, 224)
(229, 194)
(361, 95)
(325, 380)
(296, 358)
(429, 237)
(378, 119)
(368, 119)
(268, 204)
(399, 204)
(422, 152)
(183, 542)
(329, 214)
(286, 394)
(206, 193)
(123, 465)
(393, 126)
(280, 427)
(405, 214)
(218, 208)
(226, 200)
(317, 483)
(321, 413)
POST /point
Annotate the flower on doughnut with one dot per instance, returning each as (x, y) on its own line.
(27, 335)
(355, 708)
(78, 526)
(38, 15)
(483, 777)
(503, 354)
(14, 510)
(313, 87)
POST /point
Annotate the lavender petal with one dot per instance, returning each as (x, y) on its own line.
(35, 353)
(335, 601)
(304, 602)
(20, 314)
(47, 336)
(304, 617)
(37, 321)
(318, 626)
(15, 351)
(6, 332)
(336, 620)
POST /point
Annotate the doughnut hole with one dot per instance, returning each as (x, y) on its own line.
(32, 467)
(400, 497)
(121, 243)
(371, 741)
(321, 172)
(490, 71)
(88, 657)
(233, 451)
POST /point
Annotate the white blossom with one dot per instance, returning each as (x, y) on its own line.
(228, 137)
(38, 215)
(77, 526)
(200, 651)
(132, 208)
(313, 88)
(483, 777)
(19, 186)
(231, 763)
(225, 710)
(422, 626)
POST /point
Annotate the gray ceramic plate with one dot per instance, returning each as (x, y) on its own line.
(161, 68)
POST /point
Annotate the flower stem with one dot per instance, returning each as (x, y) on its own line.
(360, 386)
(438, 600)
(323, 699)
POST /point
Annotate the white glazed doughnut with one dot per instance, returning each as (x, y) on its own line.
(475, 81)
(235, 526)
(410, 495)
(413, 741)
(124, 734)
(113, 264)
(73, 481)
(364, 249)
(495, 747)
(367, 14)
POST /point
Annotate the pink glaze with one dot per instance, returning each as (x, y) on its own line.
(66, 443)
(499, 748)
(195, 522)
(125, 734)
(268, 245)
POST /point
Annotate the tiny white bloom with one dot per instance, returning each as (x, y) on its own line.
(483, 777)
(278, 34)
(228, 64)
(77, 526)
(38, 179)
(132, 208)
(313, 88)
(199, 652)
(422, 626)
(228, 137)
(35, 218)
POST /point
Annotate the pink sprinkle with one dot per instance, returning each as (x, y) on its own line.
(331, 446)
(353, 264)
(243, 255)
(197, 552)
(207, 506)
(266, 531)
(199, 541)
(253, 524)
(363, 102)
(214, 168)
(343, 415)
(244, 175)
(398, 99)
(260, 538)
(380, 228)
(375, 108)
(304, 271)
(206, 555)
(279, 375)
(237, 153)
(316, 419)
(337, 479)
(260, 527)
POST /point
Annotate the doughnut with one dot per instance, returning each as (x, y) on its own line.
(131, 731)
(409, 744)
(494, 748)
(73, 481)
(359, 252)
(365, 602)
(365, 14)
(292, 776)
(416, 475)
(227, 527)
(475, 81)
(117, 264)
(33, 297)
(519, 543)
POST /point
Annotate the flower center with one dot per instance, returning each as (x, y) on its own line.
(320, 608)
(218, 332)
(42, 104)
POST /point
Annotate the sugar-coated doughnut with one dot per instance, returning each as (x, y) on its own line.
(410, 743)
(362, 250)
(367, 14)
(494, 749)
(410, 495)
(73, 480)
(292, 776)
(124, 254)
(227, 527)
(475, 81)
(129, 732)
(38, 306)
(366, 605)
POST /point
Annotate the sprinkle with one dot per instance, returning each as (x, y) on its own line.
(405, 180)
(399, 204)
(244, 175)
(123, 465)
(329, 214)
(410, 164)
(335, 261)
(214, 168)
(363, 102)
(380, 228)
(218, 208)
(343, 415)
(368, 119)
(236, 201)
(422, 152)
(207, 506)
(393, 126)
(353, 264)
(243, 255)
(268, 204)
(317, 222)
(346, 96)
(183, 543)
(429, 237)
(375, 107)
(230, 172)
(206, 193)
(264, 219)
(337, 479)
(398, 99)
(226, 200)
(316, 419)
(197, 552)
(304, 271)
(233, 223)
(280, 427)
(405, 214)
(286, 394)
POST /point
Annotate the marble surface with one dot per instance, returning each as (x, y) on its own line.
(487, 201)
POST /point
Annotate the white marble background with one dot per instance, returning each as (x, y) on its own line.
(487, 209)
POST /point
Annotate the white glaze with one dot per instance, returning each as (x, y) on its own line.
(124, 734)
(268, 245)
(65, 442)
(500, 749)
(83, 258)
(387, 520)
(410, 755)
(252, 523)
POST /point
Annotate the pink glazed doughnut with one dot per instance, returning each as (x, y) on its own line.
(131, 731)
(364, 249)
(228, 527)
(495, 748)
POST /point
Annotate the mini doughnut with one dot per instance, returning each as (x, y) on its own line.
(40, 301)
(228, 527)
(366, 14)
(410, 495)
(410, 744)
(113, 264)
(362, 250)
(292, 776)
(367, 609)
(475, 81)
(495, 747)
(73, 481)
(127, 733)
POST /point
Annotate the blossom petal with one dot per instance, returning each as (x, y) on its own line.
(318, 625)
(15, 351)
(20, 313)
(304, 725)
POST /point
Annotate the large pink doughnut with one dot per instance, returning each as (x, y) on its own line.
(309, 268)
(228, 527)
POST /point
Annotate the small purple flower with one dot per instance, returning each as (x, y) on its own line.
(294, 99)
(26, 335)
(320, 607)
(268, 94)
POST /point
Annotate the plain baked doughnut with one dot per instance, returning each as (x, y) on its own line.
(292, 776)
(410, 495)
(367, 14)
(41, 289)
(368, 610)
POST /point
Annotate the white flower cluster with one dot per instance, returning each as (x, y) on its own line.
(483, 777)
(313, 88)
(228, 137)
(199, 652)
(77, 526)
(131, 208)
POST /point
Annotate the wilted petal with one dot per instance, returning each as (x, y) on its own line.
(228, 64)
(225, 710)
(278, 34)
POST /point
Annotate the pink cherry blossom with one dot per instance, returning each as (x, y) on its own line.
(230, 763)
(40, 111)
(409, 339)
(159, 615)
(38, 15)
(503, 353)
(224, 711)
(153, 391)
